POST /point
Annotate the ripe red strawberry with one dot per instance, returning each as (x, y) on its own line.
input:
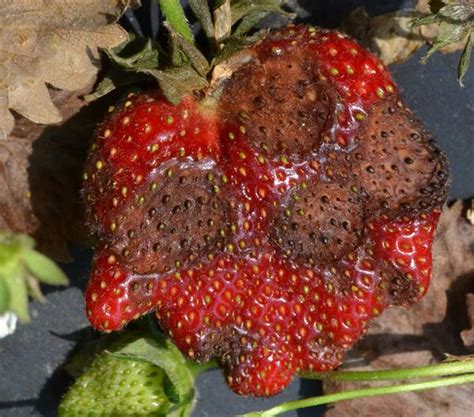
(268, 222)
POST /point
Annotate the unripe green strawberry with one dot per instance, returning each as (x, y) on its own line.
(117, 387)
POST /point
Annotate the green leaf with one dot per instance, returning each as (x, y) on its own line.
(457, 12)
(4, 296)
(465, 60)
(43, 268)
(448, 33)
(201, 10)
(427, 20)
(11, 247)
(174, 14)
(196, 58)
(177, 82)
(33, 287)
(14, 280)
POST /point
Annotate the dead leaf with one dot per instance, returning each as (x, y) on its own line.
(41, 174)
(52, 42)
(468, 335)
(422, 334)
(389, 36)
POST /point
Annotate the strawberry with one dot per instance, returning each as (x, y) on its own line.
(269, 218)
(114, 386)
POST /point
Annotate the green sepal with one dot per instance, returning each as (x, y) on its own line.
(248, 22)
(242, 8)
(197, 60)
(164, 354)
(175, 83)
(136, 53)
(201, 10)
(43, 268)
(115, 78)
(234, 44)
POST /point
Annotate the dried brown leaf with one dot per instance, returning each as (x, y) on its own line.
(40, 175)
(422, 334)
(390, 36)
(468, 335)
(54, 42)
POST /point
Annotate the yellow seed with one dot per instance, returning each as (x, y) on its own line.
(99, 164)
(107, 133)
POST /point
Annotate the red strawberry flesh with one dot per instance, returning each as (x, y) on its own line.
(269, 222)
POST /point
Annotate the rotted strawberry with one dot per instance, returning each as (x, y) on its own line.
(267, 219)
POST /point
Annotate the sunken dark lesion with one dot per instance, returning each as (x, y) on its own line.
(320, 223)
(180, 218)
(286, 110)
(395, 170)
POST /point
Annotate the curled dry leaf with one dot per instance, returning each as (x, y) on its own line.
(390, 36)
(422, 334)
(40, 175)
(51, 42)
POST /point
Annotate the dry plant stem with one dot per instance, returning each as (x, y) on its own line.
(361, 393)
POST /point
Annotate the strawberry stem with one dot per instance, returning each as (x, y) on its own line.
(454, 367)
(361, 393)
(199, 368)
(174, 14)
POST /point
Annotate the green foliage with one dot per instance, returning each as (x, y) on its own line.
(181, 67)
(21, 270)
(455, 24)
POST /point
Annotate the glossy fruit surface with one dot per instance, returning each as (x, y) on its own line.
(269, 221)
